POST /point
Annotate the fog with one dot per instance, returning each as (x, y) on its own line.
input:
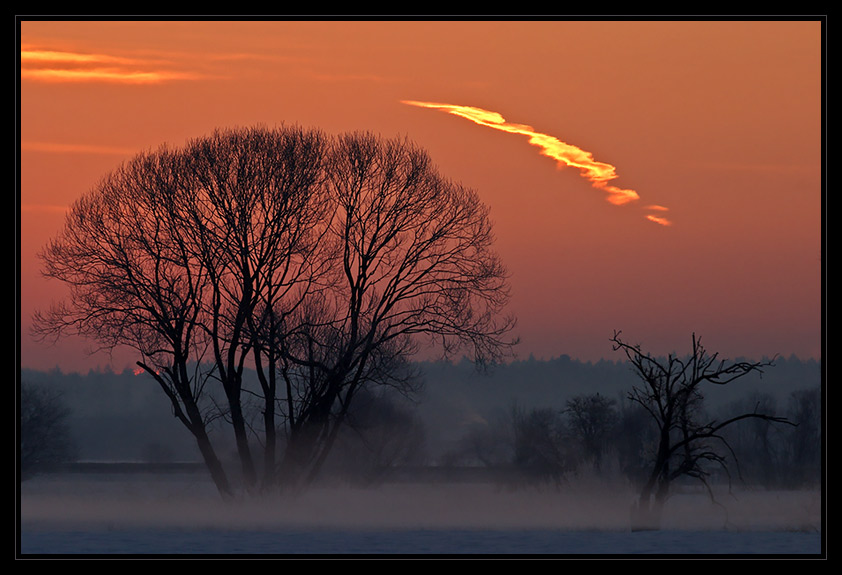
(190, 501)
(143, 514)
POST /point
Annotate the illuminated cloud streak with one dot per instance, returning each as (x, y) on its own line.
(598, 173)
(658, 219)
(60, 66)
(102, 75)
(57, 56)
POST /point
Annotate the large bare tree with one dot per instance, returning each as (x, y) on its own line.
(317, 262)
(689, 443)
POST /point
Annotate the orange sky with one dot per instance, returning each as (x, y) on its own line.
(714, 126)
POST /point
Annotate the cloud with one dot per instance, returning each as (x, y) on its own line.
(103, 75)
(61, 66)
(55, 56)
(658, 220)
(599, 174)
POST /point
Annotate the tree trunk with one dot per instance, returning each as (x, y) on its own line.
(269, 386)
(241, 436)
(646, 511)
(217, 472)
(269, 449)
(305, 450)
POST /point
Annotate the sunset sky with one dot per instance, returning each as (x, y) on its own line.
(659, 178)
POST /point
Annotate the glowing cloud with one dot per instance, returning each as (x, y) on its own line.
(100, 75)
(598, 173)
(59, 66)
(658, 219)
(55, 56)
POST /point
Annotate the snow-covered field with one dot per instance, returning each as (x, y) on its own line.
(102, 514)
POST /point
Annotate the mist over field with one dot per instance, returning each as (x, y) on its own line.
(438, 498)
(181, 514)
(184, 502)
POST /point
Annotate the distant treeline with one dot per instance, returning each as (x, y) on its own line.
(122, 416)
(457, 389)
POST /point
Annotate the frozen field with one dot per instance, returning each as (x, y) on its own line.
(181, 515)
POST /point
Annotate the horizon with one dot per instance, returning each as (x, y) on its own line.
(460, 362)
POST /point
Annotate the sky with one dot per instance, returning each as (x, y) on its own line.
(660, 178)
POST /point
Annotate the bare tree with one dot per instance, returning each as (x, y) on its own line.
(489, 441)
(688, 441)
(591, 420)
(758, 444)
(44, 437)
(317, 262)
(541, 449)
(804, 465)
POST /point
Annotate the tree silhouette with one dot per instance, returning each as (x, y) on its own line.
(688, 442)
(540, 449)
(320, 262)
(805, 441)
(44, 435)
(591, 420)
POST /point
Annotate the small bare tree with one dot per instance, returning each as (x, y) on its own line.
(541, 450)
(44, 435)
(688, 441)
(804, 445)
(591, 420)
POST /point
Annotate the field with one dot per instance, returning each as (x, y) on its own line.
(180, 514)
